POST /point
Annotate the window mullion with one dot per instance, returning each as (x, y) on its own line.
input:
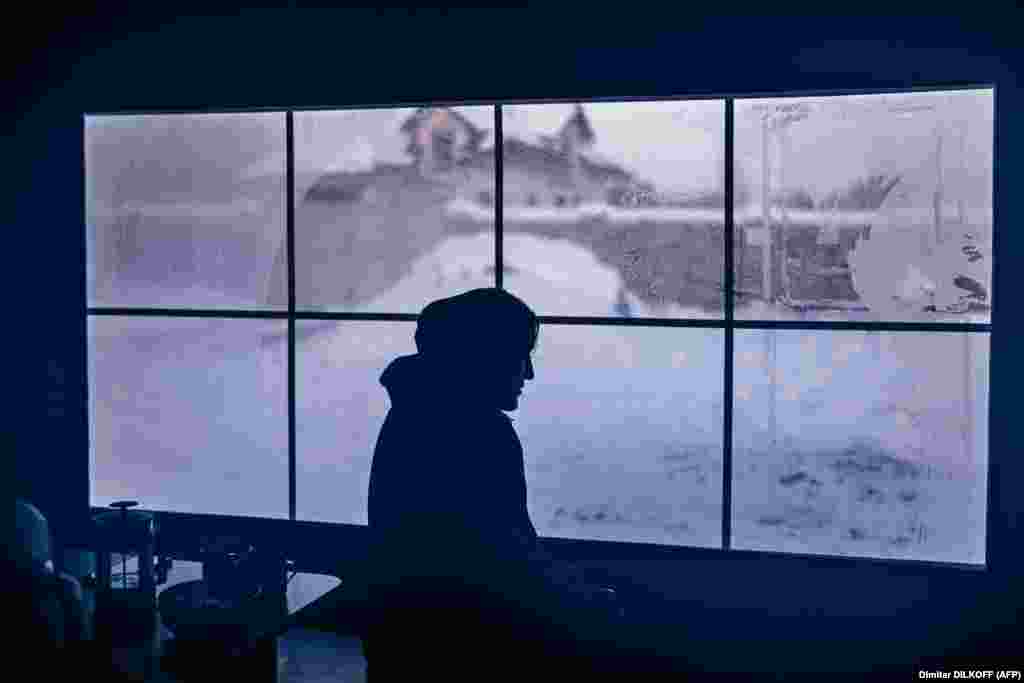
(499, 200)
(728, 301)
(290, 249)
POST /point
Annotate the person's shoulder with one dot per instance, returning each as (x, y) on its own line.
(499, 422)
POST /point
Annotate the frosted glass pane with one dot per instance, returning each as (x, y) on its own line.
(861, 443)
(615, 209)
(614, 449)
(379, 202)
(185, 210)
(340, 408)
(189, 415)
(877, 207)
(622, 434)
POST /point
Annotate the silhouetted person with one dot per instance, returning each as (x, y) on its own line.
(458, 584)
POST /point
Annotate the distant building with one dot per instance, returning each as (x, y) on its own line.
(440, 139)
(446, 147)
(558, 171)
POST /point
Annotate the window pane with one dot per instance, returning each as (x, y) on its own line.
(619, 476)
(304, 588)
(615, 209)
(622, 434)
(861, 443)
(189, 415)
(880, 207)
(392, 203)
(185, 211)
(340, 408)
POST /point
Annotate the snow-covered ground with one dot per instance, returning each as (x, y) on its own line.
(845, 442)
(892, 219)
(869, 443)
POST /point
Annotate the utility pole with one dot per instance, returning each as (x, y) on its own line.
(782, 138)
(777, 121)
(766, 249)
(962, 218)
(938, 196)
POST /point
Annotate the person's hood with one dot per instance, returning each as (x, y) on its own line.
(405, 379)
(411, 381)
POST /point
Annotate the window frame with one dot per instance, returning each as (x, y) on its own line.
(304, 539)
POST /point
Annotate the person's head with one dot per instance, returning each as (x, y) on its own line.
(480, 341)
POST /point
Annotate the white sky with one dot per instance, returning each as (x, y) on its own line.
(678, 145)
(848, 137)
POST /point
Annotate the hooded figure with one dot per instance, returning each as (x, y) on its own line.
(456, 572)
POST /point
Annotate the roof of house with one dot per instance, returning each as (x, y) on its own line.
(476, 135)
(605, 171)
(580, 120)
(542, 159)
(350, 185)
(549, 161)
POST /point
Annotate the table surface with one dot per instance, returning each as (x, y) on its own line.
(189, 606)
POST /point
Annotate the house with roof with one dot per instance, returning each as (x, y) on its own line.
(445, 147)
(440, 139)
(559, 169)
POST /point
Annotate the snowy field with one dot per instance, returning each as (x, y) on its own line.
(844, 442)
(857, 443)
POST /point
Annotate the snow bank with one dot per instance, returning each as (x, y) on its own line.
(463, 208)
(543, 214)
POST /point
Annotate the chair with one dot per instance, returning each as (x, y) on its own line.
(48, 603)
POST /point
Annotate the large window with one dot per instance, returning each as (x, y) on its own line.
(765, 321)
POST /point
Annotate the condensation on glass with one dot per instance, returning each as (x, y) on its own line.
(185, 210)
(189, 414)
(393, 207)
(868, 207)
(339, 410)
(615, 209)
(622, 434)
(865, 207)
(863, 444)
(634, 455)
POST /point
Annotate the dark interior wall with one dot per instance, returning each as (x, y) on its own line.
(837, 613)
